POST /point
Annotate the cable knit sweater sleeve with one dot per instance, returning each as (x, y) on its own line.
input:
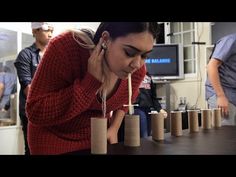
(57, 94)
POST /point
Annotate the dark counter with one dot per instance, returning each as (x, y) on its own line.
(221, 141)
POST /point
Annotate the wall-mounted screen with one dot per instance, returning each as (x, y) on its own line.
(165, 62)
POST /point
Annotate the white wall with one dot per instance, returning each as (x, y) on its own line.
(92, 25)
(62, 26)
(58, 26)
(17, 26)
(12, 142)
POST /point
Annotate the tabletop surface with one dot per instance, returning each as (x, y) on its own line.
(215, 141)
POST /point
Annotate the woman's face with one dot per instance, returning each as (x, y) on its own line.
(127, 54)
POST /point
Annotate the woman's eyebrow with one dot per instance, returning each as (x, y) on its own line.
(136, 49)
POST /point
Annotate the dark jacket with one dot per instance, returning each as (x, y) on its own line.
(147, 95)
(26, 64)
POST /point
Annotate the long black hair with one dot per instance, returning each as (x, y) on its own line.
(121, 29)
(115, 29)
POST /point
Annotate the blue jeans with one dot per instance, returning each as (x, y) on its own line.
(145, 121)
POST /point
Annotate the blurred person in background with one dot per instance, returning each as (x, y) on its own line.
(26, 64)
(8, 82)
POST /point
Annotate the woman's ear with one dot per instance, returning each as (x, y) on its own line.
(105, 36)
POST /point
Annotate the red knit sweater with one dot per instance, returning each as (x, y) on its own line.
(62, 98)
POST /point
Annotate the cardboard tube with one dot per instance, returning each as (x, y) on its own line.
(176, 123)
(193, 121)
(132, 130)
(157, 122)
(206, 119)
(98, 135)
(216, 117)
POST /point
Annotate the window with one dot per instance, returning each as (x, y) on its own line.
(8, 53)
(184, 33)
(8, 77)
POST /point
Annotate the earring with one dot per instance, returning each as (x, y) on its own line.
(104, 46)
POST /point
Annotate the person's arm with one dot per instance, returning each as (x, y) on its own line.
(23, 68)
(112, 131)
(26, 90)
(156, 102)
(213, 74)
(1, 89)
(57, 94)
